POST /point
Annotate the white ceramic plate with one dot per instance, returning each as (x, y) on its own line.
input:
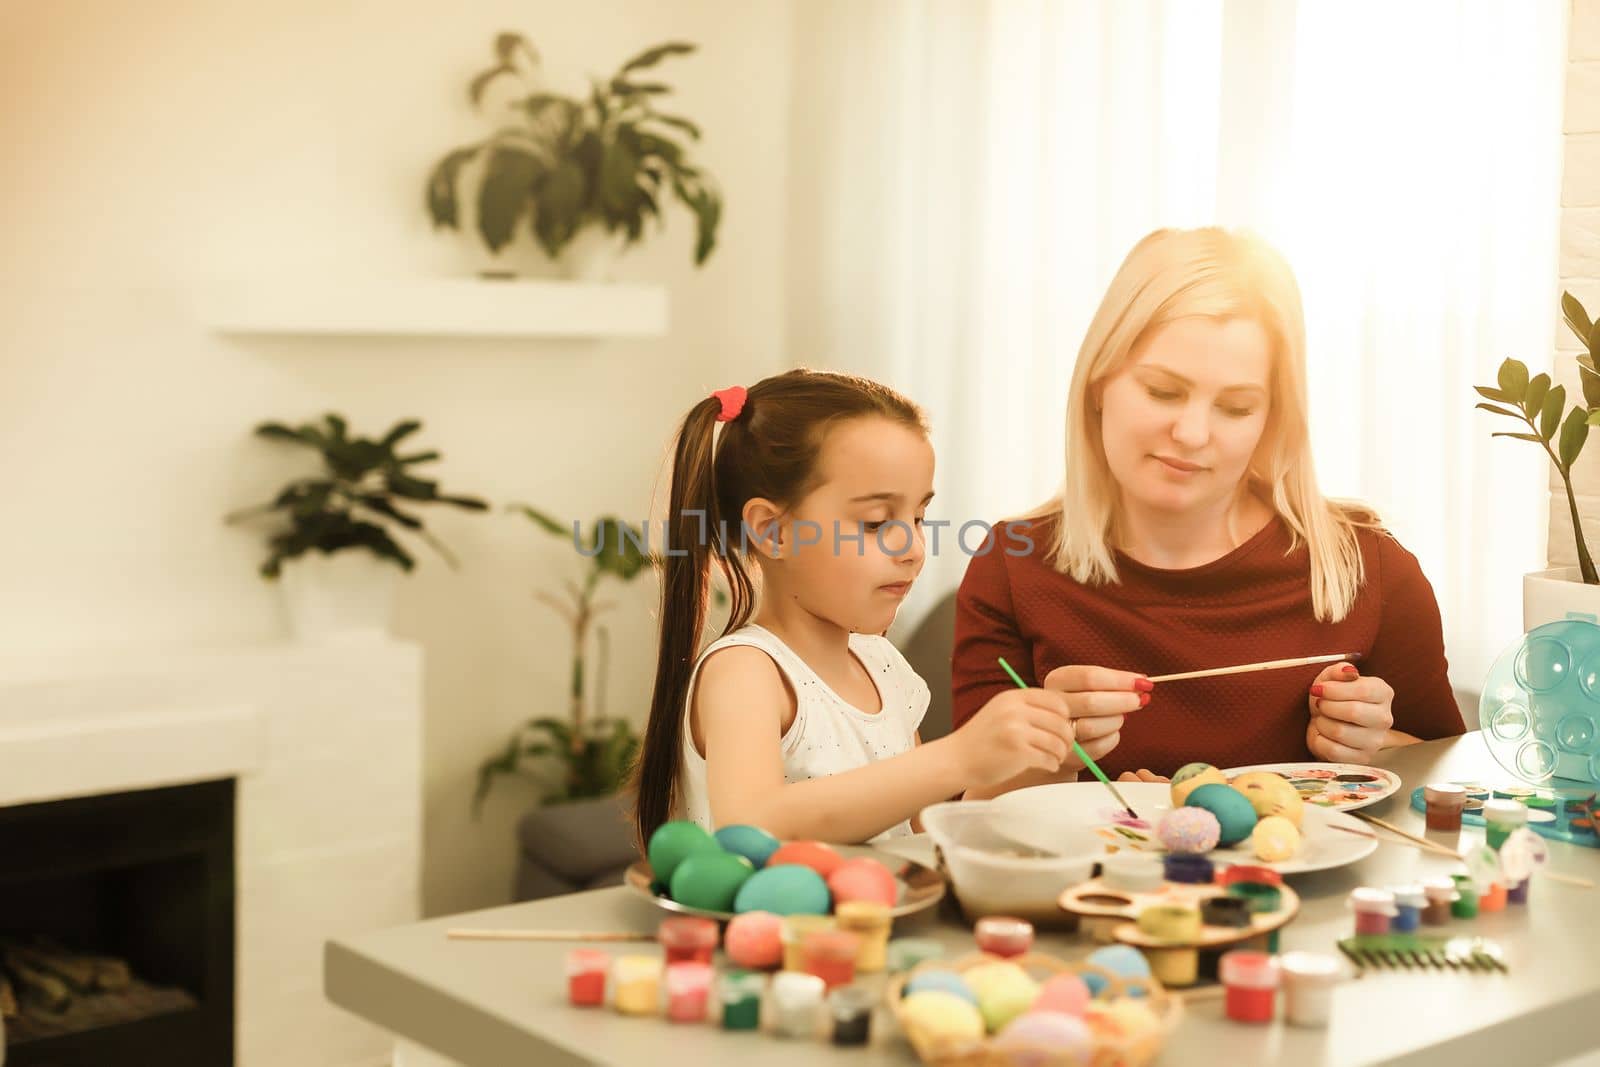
(1341, 786)
(1039, 815)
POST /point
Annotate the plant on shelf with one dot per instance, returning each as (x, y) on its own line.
(607, 159)
(589, 753)
(359, 499)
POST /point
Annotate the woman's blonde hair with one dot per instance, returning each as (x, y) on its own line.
(1218, 274)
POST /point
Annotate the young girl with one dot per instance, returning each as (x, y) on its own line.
(801, 719)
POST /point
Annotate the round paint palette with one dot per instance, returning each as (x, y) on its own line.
(1540, 709)
(1344, 786)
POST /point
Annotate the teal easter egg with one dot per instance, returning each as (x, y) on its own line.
(710, 880)
(1124, 961)
(944, 981)
(672, 843)
(785, 890)
(1235, 814)
(751, 842)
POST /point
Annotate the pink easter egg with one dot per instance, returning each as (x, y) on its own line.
(1065, 993)
(754, 940)
(863, 878)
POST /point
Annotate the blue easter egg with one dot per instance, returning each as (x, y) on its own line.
(788, 889)
(751, 842)
(1235, 814)
(943, 981)
(1124, 961)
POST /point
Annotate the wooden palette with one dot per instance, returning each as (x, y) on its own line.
(1096, 900)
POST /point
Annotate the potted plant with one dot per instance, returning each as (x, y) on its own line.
(584, 173)
(585, 755)
(337, 548)
(1558, 592)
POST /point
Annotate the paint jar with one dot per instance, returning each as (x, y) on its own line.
(1409, 900)
(1251, 981)
(687, 939)
(688, 991)
(638, 984)
(796, 999)
(870, 920)
(1263, 897)
(831, 956)
(1520, 793)
(795, 929)
(1308, 981)
(906, 952)
(1492, 899)
(1441, 894)
(851, 1008)
(741, 999)
(1500, 817)
(1374, 908)
(1188, 868)
(586, 977)
(1225, 911)
(1178, 923)
(1001, 935)
(1131, 872)
(1444, 803)
(1518, 894)
(1249, 872)
(1465, 905)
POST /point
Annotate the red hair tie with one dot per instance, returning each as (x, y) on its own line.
(732, 402)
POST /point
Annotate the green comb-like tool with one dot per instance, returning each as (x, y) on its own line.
(1423, 952)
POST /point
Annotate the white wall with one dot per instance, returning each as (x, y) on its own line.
(152, 148)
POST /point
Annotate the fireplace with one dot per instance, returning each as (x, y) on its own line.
(117, 928)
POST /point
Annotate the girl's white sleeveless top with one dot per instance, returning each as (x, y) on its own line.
(828, 734)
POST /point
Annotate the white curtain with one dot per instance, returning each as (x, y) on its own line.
(969, 173)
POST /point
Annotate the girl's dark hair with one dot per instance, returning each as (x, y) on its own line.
(769, 450)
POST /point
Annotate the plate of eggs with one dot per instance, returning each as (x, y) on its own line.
(742, 869)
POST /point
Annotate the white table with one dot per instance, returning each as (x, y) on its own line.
(491, 1003)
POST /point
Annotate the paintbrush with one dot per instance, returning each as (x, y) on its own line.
(1264, 665)
(1078, 750)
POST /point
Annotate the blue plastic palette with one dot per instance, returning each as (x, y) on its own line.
(1540, 709)
(1573, 822)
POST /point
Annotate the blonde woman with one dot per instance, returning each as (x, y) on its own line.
(1189, 533)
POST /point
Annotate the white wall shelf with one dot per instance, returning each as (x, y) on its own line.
(438, 307)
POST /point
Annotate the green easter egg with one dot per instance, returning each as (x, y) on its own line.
(672, 843)
(1233, 810)
(710, 880)
(785, 890)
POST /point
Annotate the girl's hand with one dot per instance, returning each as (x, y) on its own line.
(1350, 715)
(1018, 730)
(1098, 698)
(1142, 776)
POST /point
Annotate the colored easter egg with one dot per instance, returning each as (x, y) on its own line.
(863, 878)
(1124, 961)
(1064, 993)
(814, 854)
(940, 1016)
(1192, 776)
(1275, 838)
(751, 842)
(672, 842)
(947, 981)
(1190, 830)
(784, 890)
(1004, 991)
(1271, 794)
(754, 940)
(1233, 811)
(1127, 1024)
(710, 880)
(1045, 1039)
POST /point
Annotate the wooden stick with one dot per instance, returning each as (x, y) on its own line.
(1264, 665)
(468, 934)
(1434, 846)
(1428, 846)
(1566, 879)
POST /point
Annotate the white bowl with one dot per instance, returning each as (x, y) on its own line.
(991, 872)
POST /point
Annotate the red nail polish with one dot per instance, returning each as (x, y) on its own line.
(1143, 685)
(1316, 690)
(1144, 698)
(1349, 670)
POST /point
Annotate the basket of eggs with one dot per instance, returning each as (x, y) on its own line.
(1032, 1010)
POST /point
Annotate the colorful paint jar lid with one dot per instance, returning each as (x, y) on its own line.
(1505, 812)
(1541, 802)
(1226, 911)
(1131, 872)
(1514, 792)
(1188, 868)
(1447, 794)
(1248, 969)
(1410, 896)
(1309, 969)
(734, 986)
(1250, 872)
(687, 932)
(796, 988)
(864, 916)
(1003, 934)
(1372, 901)
(1263, 897)
(587, 960)
(1440, 890)
(1170, 922)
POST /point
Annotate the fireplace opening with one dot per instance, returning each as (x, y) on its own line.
(116, 928)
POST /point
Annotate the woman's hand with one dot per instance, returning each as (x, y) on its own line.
(1018, 730)
(1350, 715)
(1142, 776)
(1098, 698)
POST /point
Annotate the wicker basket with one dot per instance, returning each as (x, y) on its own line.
(961, 1052)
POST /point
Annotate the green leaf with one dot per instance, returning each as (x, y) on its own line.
(480, 84)
(503, 196)
(540, 519)
(1555, 402)
(626, 88)
(677, 121)
(1513, 379)
(558, 206)
(618, 167)
(651, 56)
(1494, 394)
(443, 205)
(1498, 410)
(1534, 397)
(1589, 381)
(419, 457)
(1594, 418)
(1577, 318)
(1574, 431)
(1593, 340)
(619, 546)
(507, 44)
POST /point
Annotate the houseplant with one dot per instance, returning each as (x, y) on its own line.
(1541, 408)
(599, 164)
(337, 545)
(584, 755)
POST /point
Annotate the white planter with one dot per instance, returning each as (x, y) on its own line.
(1556, 594)
(345, 596)
(591, 255)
